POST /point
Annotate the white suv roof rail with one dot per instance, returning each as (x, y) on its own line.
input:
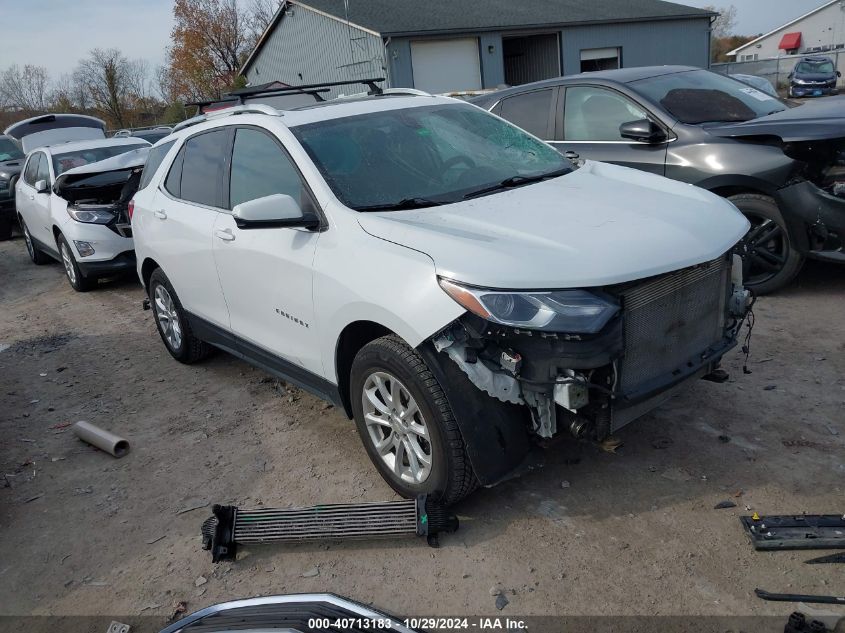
(253, 108)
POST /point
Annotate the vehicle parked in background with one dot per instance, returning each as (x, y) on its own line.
(151, 134)
(72, 207)
(451, 282)
(814, 76)
(781, 166)
(11, 163)
(761, 83)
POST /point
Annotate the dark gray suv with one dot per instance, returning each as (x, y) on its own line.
(782, 166)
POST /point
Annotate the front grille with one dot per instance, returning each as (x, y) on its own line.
(670, 320)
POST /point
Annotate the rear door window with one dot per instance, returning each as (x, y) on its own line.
(203, 168)
(530, 111)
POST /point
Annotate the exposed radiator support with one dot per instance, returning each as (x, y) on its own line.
(230, 526)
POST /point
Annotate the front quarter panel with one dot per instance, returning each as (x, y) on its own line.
(358, 277)
(712, 163)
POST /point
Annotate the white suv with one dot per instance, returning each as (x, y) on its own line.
(451, 282)
(71, 199)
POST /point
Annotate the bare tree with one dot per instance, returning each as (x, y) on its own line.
(109, 79)
(25, 88)
(261, 13)
(724, 24)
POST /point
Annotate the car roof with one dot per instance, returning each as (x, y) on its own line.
(312, 113)
(816, 58)
(75, 146)
(620, 75)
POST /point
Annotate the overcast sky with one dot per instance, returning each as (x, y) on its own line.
(57, 33)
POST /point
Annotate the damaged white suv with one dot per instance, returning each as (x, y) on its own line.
(451, 282)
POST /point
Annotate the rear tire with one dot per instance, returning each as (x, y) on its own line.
(35, 254)
(74, 275)
(172, 322)
(770, 261)
(404, 418)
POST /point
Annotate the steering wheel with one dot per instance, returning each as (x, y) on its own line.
(457, 160)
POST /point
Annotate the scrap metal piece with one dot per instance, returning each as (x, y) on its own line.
(803, 531)
(799, 597)
(118, 627)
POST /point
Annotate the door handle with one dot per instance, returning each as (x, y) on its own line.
(161, 214)
(31, 197)
(225, 234)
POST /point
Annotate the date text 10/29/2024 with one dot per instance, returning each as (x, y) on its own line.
(430, 624)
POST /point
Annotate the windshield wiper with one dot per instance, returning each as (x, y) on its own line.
(404, 204)
(516, 181)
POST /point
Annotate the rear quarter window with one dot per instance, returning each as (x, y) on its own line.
(154, 160)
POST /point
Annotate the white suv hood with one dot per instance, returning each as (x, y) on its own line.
(599, 225)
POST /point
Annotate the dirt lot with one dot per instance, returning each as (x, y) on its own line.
(590, 533)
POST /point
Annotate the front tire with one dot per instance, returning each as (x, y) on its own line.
(770, 261)
(406, 423)
(172, 322)
(38, 258)
(74, 275)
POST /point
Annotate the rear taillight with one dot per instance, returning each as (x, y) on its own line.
(131, 209)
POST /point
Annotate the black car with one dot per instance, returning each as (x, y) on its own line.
(783, 166)
(814, 77)
(11, 163)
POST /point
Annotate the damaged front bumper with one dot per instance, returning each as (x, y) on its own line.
(815, 221)
(670, 329)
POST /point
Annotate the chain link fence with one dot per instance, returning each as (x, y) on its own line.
(776, 69)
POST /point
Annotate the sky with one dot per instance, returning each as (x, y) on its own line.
(58, 33)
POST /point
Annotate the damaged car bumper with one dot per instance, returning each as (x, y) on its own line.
(816, 220)
(666, 331)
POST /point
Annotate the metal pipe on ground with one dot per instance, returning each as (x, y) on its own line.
(102, 439)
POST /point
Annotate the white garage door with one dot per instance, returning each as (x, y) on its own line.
(446, 65)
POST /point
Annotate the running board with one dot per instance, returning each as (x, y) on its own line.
(801, 531)
(231, 526)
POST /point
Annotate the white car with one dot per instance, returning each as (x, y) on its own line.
(451, 282)
(71, 205)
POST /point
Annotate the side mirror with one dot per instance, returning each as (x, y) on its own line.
(838, 73)
(41, 186)
(278, 210)
(644, 131)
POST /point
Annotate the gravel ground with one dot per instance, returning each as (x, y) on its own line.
(629, 533)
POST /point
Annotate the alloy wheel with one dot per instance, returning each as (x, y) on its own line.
(67, 260)
(397, 428)
(765, 249)
(168, 319)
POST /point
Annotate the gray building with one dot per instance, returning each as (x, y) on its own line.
(455, 45)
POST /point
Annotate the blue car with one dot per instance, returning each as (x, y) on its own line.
(814, 77)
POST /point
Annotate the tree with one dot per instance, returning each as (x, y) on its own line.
(723, 38)
(25, 89)
(112, 82)
(211, 40)
(261, 13)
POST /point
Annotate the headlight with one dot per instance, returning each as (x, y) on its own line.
(90, 216)
(801, 82)
(555, 311)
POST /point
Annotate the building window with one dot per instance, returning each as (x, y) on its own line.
(593, 59)
(750, 58)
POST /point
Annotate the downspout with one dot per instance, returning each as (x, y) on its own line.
(386, 61)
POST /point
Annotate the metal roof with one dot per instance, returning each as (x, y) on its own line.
(396, 17)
